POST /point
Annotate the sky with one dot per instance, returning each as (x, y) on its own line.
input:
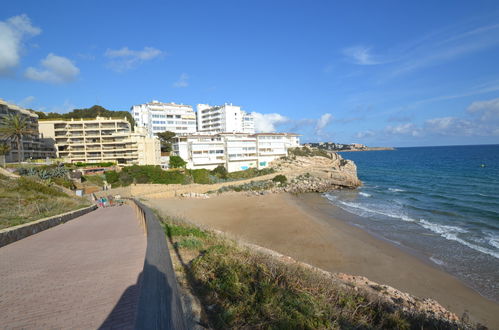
(381, 73)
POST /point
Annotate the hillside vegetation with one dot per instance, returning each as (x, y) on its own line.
(154, 174)
(87, 113)
(27, 199)
(240, 287)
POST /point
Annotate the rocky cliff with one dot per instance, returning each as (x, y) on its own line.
(317, 173)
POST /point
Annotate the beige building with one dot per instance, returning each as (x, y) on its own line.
(101, 140)
(33, 146)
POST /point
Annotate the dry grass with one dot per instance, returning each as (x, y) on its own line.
(241, 288)
(24, 200)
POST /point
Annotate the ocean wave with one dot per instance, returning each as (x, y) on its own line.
(365, 210)
(450, 233)
(396, 190)
(493, 240)
(437, 261)
(364, 194)
(441, 229)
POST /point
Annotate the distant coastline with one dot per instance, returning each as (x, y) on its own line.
(368, 149)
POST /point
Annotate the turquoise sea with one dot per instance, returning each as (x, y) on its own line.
(442, 203)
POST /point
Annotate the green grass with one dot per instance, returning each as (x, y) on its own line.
(26, 199)
(240, 288)
(96, 179)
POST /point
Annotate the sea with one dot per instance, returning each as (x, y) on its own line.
(441, 203)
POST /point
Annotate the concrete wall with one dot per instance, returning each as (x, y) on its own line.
(12, 234)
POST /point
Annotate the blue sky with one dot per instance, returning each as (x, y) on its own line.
(394, 73)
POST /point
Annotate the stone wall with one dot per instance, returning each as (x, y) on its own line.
(12, 234)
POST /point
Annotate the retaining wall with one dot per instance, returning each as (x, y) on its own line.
(12, 234)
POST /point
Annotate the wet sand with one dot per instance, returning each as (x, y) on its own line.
(305, 228)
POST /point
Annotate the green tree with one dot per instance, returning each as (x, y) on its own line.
(91, 112)
(15, 127)
(177, 162)
(166, 140)
(220, 171)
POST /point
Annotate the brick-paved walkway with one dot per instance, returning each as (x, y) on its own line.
(79, 275)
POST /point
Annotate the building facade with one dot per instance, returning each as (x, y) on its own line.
(226, 118)
(157, 117)
(101, 140)
(33, 145)
(235, 151)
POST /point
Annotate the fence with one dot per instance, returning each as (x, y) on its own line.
(159, 300)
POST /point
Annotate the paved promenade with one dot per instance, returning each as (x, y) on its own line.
(79, 275)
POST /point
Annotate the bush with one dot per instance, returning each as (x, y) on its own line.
(103, 164)
(200, 176)
(112, 176)
(220, 171)
(308, 152)
(177, 162)
(280, 178)
(250, 173)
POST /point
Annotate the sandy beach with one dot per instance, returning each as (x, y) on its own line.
(305, 228)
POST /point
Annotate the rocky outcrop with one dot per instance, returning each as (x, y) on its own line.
(317, 173)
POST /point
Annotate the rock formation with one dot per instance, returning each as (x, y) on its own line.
(317, 173)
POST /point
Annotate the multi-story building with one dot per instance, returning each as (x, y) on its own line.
(157, 117)
(101, 140)
(235, 151)
(33, 146)
(225, 118)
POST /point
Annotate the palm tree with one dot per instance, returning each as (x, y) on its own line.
(14, 127)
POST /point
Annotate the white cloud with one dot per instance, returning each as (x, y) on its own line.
(26, 101)
(364, 134)
(360, 55)
(323, 121)
(183, 81)
(267, 122)
(404, 129)
(445, 46)
(12, 33)
(125, 59)
(55, 69)
(487, 110)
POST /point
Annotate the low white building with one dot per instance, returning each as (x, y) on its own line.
(157, 117)
(224, 118)
(235, 151)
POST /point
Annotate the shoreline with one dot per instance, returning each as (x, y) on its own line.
(306, 228)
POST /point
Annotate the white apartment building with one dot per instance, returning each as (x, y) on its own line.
(235, 151)
(225, 118)
(157, 117)
(101, 140)
(33, 145)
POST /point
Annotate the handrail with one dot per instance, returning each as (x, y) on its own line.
(159, 299)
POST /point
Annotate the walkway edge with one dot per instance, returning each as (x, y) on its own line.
(159, 299)
(13, 234)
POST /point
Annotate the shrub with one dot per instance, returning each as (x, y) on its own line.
(200, 176)
(220, 171)
(103, 164)
(308, 152)
(112, 176)
(177, 162)
(250, 173)
(280, 178)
